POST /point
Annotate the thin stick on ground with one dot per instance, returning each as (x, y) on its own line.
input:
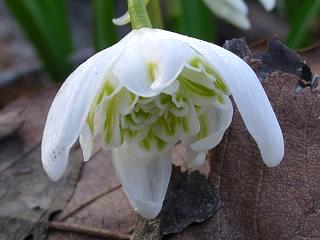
(94, 232)
(88, 202)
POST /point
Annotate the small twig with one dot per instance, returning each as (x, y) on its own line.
(94, 232)
(88, 202)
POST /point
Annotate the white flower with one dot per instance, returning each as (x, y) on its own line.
(235, 11)
(145, 94)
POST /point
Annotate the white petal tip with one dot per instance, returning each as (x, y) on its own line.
(123, 20)
(268, 4)
(86, 150)
(147, 209)
(273, 160)
(198, 160)
(273, 154)
(55, 163)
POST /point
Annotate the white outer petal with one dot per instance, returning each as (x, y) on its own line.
(250, 98)
(144, 48)
(145, 180)
(268, 4)
(70, 108)
(249, 95)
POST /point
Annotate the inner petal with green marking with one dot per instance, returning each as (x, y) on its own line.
(154, 124)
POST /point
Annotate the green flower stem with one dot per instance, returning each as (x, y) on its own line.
(138, 14)
(155, 14)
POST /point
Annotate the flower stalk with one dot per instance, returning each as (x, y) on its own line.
(138, 14)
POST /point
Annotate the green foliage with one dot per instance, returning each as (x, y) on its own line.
(46, 25)
(192, 18)
(104, 30)
(300, 15)
(155, 14)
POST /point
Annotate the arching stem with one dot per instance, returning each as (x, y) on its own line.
(138, 14)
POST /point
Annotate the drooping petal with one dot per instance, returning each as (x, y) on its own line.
(248, 93)
(150, 65)
(249, 96)
(70, 108)
(233, 11)
(145, 180)
(268, 4)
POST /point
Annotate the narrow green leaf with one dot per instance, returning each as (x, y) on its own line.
(301, 22)
(174, 14)
(292, 6)
(197, 20)
(50, 37)
(105, 33)
(55, 13)
(155, 14)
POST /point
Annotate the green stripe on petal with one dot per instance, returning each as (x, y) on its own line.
(218, 83)
(110, 121)
(197, 88)
(204, 128)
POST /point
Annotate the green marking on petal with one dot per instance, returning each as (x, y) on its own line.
(221, 86)
(197, 88)
(204, 128)
(165, 99)
(169, 124)
(152, 71)
(146, 142)
(110, 121)
(107, 90)
(196, 62)
(209, 70)
(132, 97)
(220, 99)
(160, 144)
(185, 126)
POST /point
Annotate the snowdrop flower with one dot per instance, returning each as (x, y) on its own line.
(235, 11)
(145, 94)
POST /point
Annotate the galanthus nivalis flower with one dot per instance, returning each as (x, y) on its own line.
(235, 11)
(144, 95)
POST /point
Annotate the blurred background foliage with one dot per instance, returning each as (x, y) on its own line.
(47, 25)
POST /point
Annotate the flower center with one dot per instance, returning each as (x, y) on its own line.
(157, 123)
